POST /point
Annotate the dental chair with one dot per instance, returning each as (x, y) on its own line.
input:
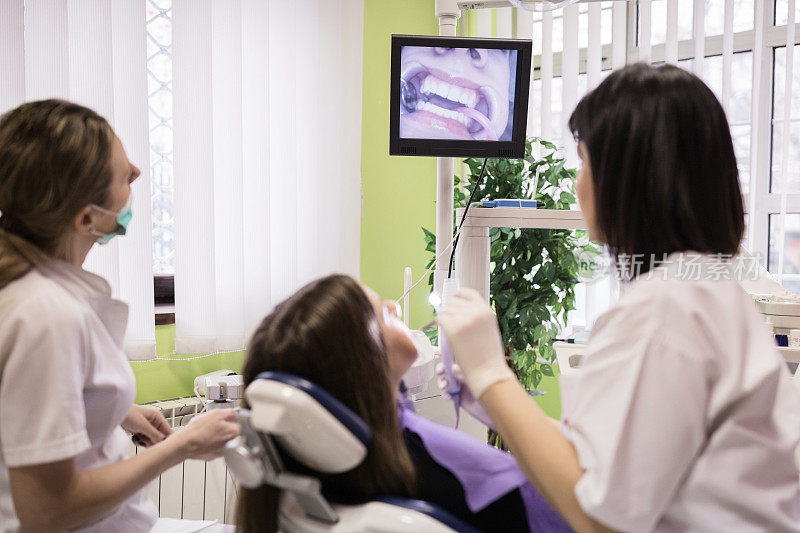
(292, 420)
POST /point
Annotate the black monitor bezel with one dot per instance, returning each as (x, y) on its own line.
(459, 148)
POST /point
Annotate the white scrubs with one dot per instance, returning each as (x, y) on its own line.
(683, 413)
(65, 384)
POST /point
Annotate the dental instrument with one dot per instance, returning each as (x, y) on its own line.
(453, 385)
(407, 282)
(138, 440)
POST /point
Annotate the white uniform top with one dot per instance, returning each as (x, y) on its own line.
(683, 414)
(65, 384)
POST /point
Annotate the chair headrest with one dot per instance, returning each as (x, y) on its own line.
(307, 422)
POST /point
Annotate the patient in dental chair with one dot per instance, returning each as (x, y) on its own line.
(343, 337)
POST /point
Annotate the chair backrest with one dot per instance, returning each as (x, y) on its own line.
(306, 423)
(309, 424)
(321, 433)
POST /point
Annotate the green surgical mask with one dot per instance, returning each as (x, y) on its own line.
(123, 217)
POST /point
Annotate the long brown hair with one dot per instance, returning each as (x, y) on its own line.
(54, 160)
(328, 333)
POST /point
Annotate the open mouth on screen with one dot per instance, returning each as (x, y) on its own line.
(446, 106)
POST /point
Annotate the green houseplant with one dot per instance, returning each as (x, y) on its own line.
(533, 271)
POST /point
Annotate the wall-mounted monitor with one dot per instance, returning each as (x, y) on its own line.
(459, 97)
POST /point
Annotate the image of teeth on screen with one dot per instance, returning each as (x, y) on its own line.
(457, 93)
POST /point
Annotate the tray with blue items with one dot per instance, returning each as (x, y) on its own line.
(509, 202)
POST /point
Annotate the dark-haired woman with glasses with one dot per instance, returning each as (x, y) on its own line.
(682, 416)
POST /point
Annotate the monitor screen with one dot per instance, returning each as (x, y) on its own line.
(458, 96)
(457, 93)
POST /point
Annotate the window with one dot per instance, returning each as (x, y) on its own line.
(773, 203)
(783, 205)
(594, 297)
(583, 28)
(773, 220)
(739, 102)
(159, 97)
(558, 119)
(159, 77)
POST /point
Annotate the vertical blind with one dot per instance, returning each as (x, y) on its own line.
(267, 158)
(727, 54)
(787, 115)
(671, 48)
(547, 75)
(699, 41)
(92, 52)
(759, 54)
(267, 139)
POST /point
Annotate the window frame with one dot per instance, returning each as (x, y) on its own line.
(766, 202)
(163, 284)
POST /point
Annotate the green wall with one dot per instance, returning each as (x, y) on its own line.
(161, 380)
(399, 192)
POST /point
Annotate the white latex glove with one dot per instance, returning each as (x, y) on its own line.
(472, 333)
(468, 401)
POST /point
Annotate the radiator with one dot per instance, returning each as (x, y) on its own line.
(194, 490)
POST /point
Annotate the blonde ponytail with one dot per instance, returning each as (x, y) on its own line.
(17, 256)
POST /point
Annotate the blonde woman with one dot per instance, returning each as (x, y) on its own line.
(66, 388)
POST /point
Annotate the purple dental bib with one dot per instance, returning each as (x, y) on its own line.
(485, 473)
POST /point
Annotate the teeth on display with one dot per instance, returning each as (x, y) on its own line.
(454, 93)
(442, 112)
